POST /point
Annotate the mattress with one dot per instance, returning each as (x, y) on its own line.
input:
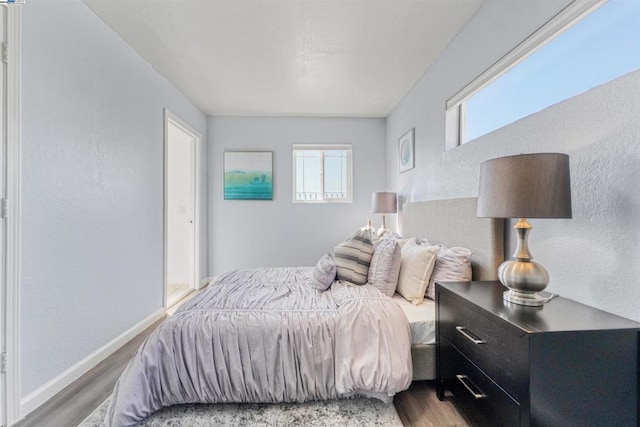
(422, 319)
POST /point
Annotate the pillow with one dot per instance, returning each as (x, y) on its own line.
(402, 241)
(353, 257)
(389, 234)
(422, 241)
(385, 266)
(415, 270)
(452, 265)
(325, 273)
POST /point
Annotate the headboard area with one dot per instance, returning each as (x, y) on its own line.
(453, 222)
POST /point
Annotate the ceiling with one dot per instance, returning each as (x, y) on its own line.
(353, 58)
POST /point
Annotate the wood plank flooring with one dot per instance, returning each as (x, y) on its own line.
(418, 406)
(74, 403)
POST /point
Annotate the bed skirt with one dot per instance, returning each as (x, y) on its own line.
(424, 361)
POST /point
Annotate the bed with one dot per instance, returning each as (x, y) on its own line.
(264, 335)
(450, 222)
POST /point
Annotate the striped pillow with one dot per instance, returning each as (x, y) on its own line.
(452, 265)
(385, 266)
(353, 257)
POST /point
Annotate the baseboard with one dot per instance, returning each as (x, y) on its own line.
(206, 281)
(202, 284)
(32, 401)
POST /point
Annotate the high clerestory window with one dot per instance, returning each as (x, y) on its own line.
(322, 173)
(587, 44)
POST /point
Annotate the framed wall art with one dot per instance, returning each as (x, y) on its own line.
(248, 175)
(406, 148)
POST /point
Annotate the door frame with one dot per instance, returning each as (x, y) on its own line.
(170, 118)
(11, 192)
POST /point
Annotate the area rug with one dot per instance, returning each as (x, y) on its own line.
(351, 412)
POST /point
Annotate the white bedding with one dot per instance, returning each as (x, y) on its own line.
(422, 319)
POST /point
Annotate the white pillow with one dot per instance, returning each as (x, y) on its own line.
(353, 257)
(452, 265)
(385, 266)
(415, 270)
(402, 241)
(389, 234)
(325, 273)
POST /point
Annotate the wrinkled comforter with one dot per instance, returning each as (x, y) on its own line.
(266, 335)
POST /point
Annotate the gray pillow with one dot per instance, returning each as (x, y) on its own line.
(452, 265)
(325, 273)
(353, 257)
(385, 266)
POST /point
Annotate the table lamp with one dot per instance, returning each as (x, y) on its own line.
(525, 186)
(384, 203)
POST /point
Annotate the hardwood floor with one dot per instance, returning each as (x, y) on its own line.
(74, 403)
(418, 406)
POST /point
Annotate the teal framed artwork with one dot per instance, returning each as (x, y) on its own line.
(406, 151)
(248, 175)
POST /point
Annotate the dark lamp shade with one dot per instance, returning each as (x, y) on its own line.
(525, 186)
(384, 202)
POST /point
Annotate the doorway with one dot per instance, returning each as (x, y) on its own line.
(182, 206)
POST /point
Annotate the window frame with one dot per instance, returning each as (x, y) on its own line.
(348, 148)
(455, 111)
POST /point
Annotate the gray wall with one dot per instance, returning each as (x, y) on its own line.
(591, 258)
(92, 187)
(279, 232)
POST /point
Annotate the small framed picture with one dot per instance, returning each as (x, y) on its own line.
(248, 175)
(406, 147)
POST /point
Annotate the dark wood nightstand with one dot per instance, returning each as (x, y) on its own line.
(562, 364)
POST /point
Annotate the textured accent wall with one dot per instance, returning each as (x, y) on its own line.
(92, 187)
(282, 233)
(591, 258)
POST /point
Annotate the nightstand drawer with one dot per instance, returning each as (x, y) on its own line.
(477, 393)
(486, 339)
(562, 364)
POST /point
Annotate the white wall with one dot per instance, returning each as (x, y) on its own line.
(591, 258)
(246, 234)
(92, 187)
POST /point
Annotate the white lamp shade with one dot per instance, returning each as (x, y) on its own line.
(384, 202)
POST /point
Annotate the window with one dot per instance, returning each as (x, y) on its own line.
(322, 173)
(587, 44)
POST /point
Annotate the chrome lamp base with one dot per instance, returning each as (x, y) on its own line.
(522, 276)
(522, 298)
(383, 228)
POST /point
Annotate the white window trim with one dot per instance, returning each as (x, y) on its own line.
(323, 147)
(455, 115)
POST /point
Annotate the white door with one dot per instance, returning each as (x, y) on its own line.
(181, 191)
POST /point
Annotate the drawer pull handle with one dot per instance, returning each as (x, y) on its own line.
(463, 379)
(468, 335)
